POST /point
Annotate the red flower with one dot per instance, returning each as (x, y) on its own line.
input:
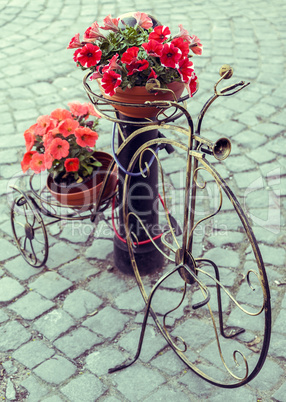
(110, 81)
(192, 84)
(153, 48)
(111, 24)
(182, 45)
(184, 34)
(185, 69)
(25, 164)
(137, 65)
(67, 127)
(61, 114)
(195, 45)
(48, 160)
(160, 33)
(30, 136)
(130, 55)
(75, 54)
(143, 20)
(152, 74)
(89, 55)
(86, 137)
(170, 55)
(75, 42)
(38, 162)
(72, 164)
(112, 65)
(59, 148)
(92, 33)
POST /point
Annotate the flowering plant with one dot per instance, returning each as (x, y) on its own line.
(129, 56)
(63, 143)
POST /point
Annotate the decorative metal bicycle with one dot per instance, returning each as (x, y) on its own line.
(245, 324)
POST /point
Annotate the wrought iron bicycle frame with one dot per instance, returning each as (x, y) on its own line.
(186, 265)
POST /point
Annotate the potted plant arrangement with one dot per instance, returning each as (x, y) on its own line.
(126, 53)
(63, 143)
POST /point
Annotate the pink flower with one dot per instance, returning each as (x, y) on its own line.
(170, 55)
(75, 42)
(95, 76)
(153, 48)
(110, 81)
(92, 111)
(89, 55)
(92, 33)
(38, 162)
(112, 65)
(48, 160)
(111, 24)
(30, 137)
(195, 45)
(137, 65)
(67, 127)
(182, 45)
(160, 33)
(143, 20)
(61, 114)
(25, 164)
(71, 164)
(184, 34)
(59, 148)
(85, 137)
(192, 84)
(185, 69)
(130, 55)
(44, 124)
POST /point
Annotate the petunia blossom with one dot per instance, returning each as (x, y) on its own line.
(112, 65)
(182, 45)
(153, 48)
(185, 69)
(71, 164)
(137, 65)
(30, 137)
(75, 42)
(61, 114)
(110, 81)
(184, 34)
(130, 55)
(110, 24)
(89, 55)
(44, 124)
(25, 164)
(195, 45)
(160, 33)
(152, 74)
(48, 160)
(143, 20)
(170, 55)
(92, 33)
(192, 84)
(86, 137)
(59, 148)
(67, 127)
(37, 163)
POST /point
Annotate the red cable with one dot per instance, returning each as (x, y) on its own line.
(140, 243)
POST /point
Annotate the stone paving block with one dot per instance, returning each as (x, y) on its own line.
(76, 232)
(146, 381)
(280, 323)
(131, 300)
(107, 285)
(165, 393)
(279, 395)
(12, 336)
(85, 388)
(55, 370)
(108, 322)
(77, 342)
(99, 249)
(81, 302)
(272, 255)
(10, 289)
(100, 361)
(8, 250)
(3, 316)
(191, 331)
(19, 268)
(53, 324)
(223, 257)
(78, 270)
(31, 306)
(33, 353)
(50, 284)
(152, 345)
(54, 398)
(169, 363)
(60, 254)
(270, 374)
(103, 230)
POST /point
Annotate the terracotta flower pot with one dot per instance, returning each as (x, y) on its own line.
(86, 193)
(139, 95)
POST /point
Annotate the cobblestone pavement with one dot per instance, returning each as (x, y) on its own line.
(64, 325)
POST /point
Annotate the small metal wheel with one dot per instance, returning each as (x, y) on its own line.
(29, 230)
